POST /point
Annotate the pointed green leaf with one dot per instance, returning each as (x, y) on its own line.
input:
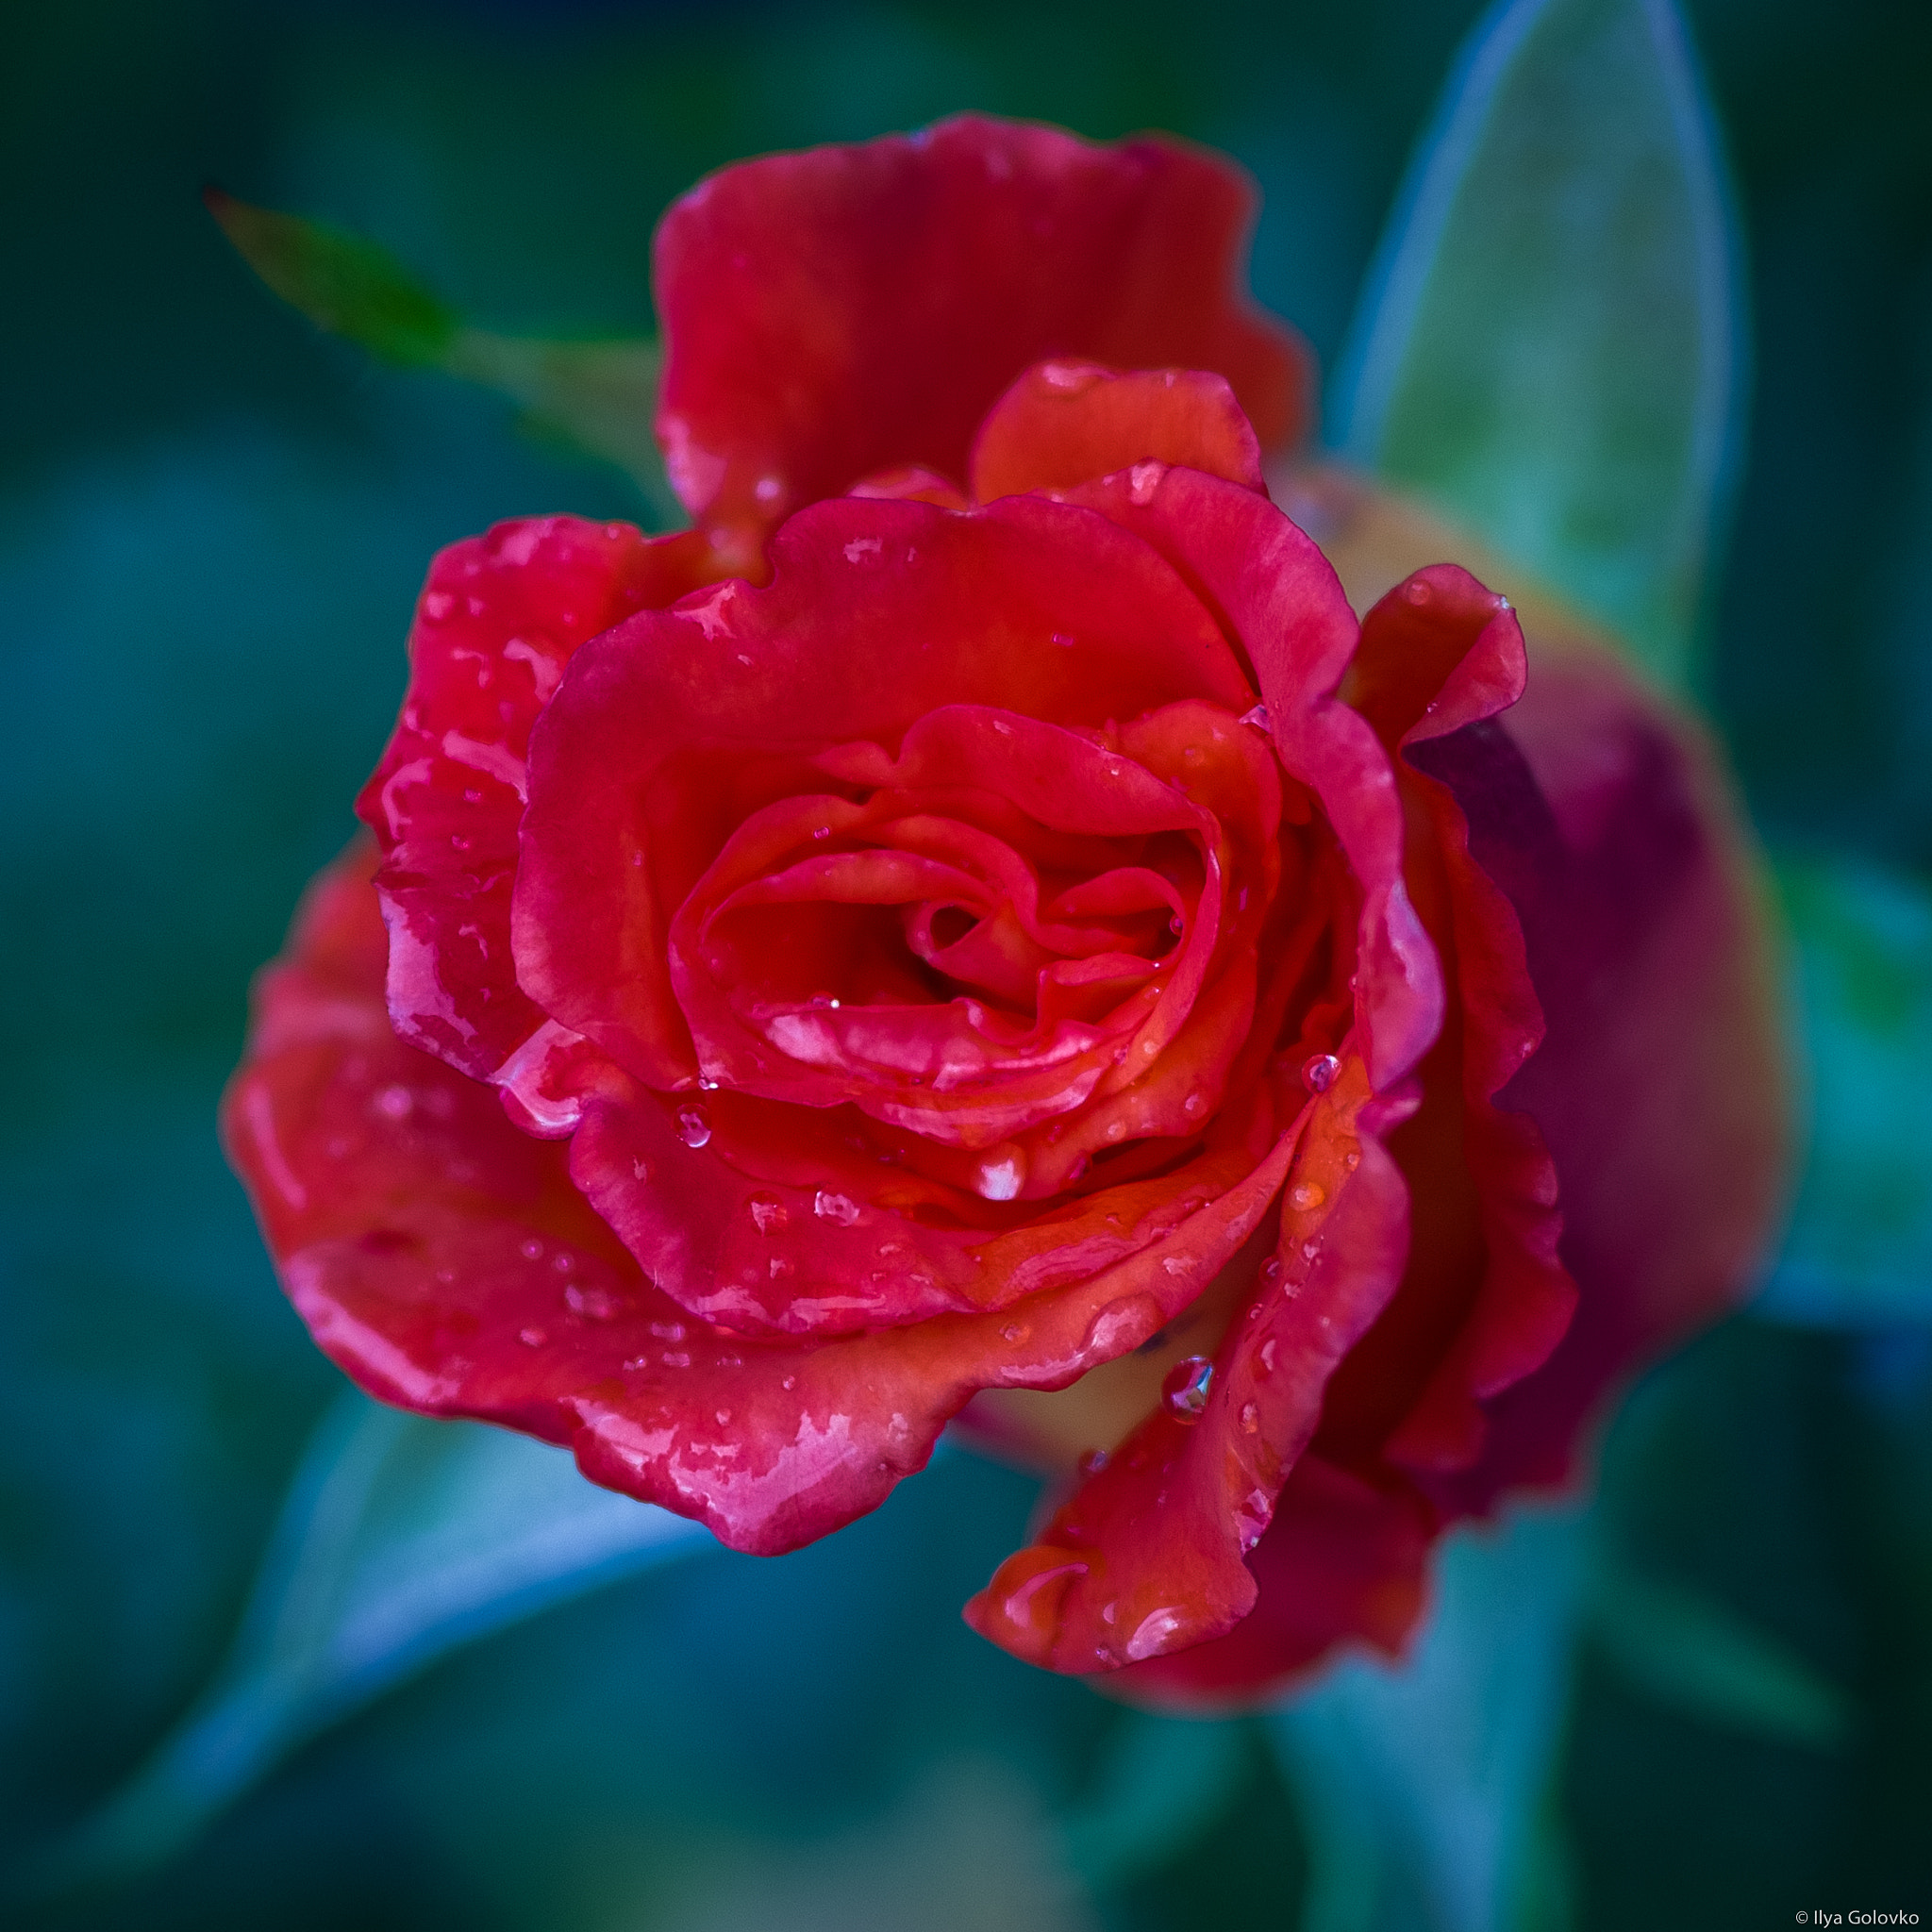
(1860, 1250)
(599, 396)
(340, 281)
(1687, 1650)
(1427, 1788)
(400, 1540)
(1549, 345)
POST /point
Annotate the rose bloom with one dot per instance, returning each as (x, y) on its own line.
(978, 928)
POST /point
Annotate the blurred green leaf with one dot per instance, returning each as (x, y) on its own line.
(1860, 1250)
(599, 396)
(1163, 1781)
(1427, 1788)
(400, 1540)
(1687, 1650)
(1549, 344)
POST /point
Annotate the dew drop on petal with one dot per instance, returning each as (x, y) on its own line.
(1270, 1271)
(768, 1215)
(532, 1338)
(840, 1210)
(1257, 716)
(594, 1303)
(1319, 1070)
(394, 1103)
(780, 1268)
(694, 1125)
(1251, 1419)
(676, 1358)
(1268, 1357)
(723, 1416)
(790, 1382)
(1094, 1462)
(1144, 479)
(1015, 1331)
(1000, 1179)
(1308, 1193)
(531, 1250)
(1194, 1102)
(1185, 1390)
(639, 1171)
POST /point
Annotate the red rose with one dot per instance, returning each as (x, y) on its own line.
(936, 928)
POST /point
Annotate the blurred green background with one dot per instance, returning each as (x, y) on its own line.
(215, 521)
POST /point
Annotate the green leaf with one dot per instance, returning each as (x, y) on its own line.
(1163, 1780)
(1860, 1250)
(1429, 1787)
(1685, 1649)
(1550, 345)
(599, 396)
(342, 283)
(400, 1540)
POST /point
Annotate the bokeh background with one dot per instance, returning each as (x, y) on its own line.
(214, 524)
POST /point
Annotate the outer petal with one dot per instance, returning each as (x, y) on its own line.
(498, 621)
(1065, 422)
(1661, 1088)
(838, 312)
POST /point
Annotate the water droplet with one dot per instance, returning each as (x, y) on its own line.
(531, 1250)
(394, 1103)
(1144, 479)
(668, 1331)
(564, 1261)
(438, 605)
(1094, 1462)
(842, 1209)
(999, 1181)
(768, 1215)
(1257, 716)
(459, 843)
(1063, 640)
(1306, 1195)
(1270, 1271)
(1268, 1357)
(1116, 1130)
(1186, 1390)
(1251, 1419)
(1195, 1103)
(694, 1125)
(676, 1358)
(768, 490)
(893, 1250)
(1015, 1331)
(790, 1382)
(723, 1416)
(1310, 1249)
(1179, 1264)
(1004, 729)
(532, 1338)
(1352, 1159)
(780, 1269)
(1319, 1070)
(592, 1304)
(639, 1171)
(1192, 754)
(1418, 592)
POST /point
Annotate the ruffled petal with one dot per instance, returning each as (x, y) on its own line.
(1485, 1299)
(1279, 599)
(445, 1260)
(673, 729)
(498, 621)
(1066, 423)
(1149, 1554)
(836, 313)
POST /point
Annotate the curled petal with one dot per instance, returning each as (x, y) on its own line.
(832, 314)
(1067, 422)
(1661, 1088)
(495, 626)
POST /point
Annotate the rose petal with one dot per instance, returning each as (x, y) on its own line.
(672, 727)
(1278, 598)
(1159, 1534)
(833, 313)
(1662, 1088)
(447, 1263)
(498, 621)
(1066, 423)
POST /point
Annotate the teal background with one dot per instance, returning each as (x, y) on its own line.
(213, 524)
